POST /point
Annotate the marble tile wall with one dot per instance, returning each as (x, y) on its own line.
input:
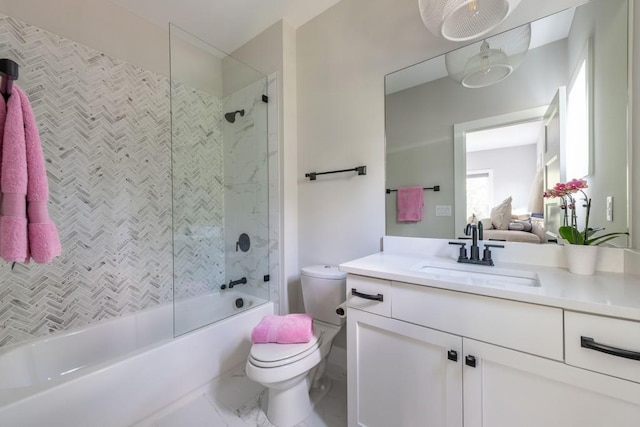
(246, 181)
(198, 191)
(106, 135)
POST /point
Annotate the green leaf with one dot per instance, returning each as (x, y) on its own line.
(571, 235)
(604, 238)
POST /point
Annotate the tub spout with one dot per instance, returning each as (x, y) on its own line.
(233, 283)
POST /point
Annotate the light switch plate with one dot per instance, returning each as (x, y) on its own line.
(609, 208)
(443, 210)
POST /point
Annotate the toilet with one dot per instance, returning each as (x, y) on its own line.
(291, 371)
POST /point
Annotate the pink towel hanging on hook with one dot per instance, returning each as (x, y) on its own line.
(26, 231)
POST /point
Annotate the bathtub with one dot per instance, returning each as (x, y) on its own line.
(116, 372)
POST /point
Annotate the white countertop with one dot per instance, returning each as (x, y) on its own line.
(605, 293)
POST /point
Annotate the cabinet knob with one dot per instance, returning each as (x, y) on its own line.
(470, 361)
(452, 355)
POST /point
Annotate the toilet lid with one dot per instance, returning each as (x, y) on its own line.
(271, 355)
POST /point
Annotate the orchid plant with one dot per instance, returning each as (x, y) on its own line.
(569, 230)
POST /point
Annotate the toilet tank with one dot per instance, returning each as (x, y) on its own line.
(323, 289)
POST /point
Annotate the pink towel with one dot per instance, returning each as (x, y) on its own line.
(289, 329)
(24, 232)
(410, 204)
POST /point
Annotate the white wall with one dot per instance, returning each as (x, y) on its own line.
(194, 63)
(513, 172)
(428, 112)
(99, 24)
(418, 166)
(342, 57)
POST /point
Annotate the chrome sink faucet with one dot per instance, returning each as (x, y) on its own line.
(476, 234)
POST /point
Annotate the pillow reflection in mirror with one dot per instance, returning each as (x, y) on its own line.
(501, 215)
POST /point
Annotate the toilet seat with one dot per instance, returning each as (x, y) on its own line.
(274, 355)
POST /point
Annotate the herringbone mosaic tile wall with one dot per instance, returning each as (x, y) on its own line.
(106, 135)
(105, 128)
(198, 191)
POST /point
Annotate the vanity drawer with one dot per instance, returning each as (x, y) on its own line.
(368, 294)
(521, 326)
(619, 337)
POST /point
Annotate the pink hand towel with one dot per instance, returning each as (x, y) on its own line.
(3, 118)
(44, 242)
(24, 233)
(13, 184)
(410, 204)
(289, 329)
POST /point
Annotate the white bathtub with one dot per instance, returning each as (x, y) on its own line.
(116, 372)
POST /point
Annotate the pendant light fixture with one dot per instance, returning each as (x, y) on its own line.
(491, 60)
(464, 20)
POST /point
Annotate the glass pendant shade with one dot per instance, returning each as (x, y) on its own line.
(464, 20)
(491, 60)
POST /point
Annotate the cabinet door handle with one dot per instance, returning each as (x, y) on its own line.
(470, 361)
(590, 343)
(378, 297)
(452, 355)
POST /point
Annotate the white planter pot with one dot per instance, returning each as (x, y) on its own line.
(581, 259)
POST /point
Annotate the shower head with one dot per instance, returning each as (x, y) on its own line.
(231, 117)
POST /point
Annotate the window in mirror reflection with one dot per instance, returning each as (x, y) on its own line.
(578, 147)
(479, 193)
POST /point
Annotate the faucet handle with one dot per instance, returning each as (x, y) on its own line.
(486, 254)
(463, 249)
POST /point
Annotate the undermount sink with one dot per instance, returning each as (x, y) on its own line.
(468, 274)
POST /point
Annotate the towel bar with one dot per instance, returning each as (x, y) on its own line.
(434, 188)
(362, 170)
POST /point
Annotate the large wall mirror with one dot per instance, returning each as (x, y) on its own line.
(495, 123)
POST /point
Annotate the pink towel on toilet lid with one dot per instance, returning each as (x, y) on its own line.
(410, 204)
(290, 329)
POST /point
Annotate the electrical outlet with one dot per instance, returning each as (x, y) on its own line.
(609, 208)
(443, 210)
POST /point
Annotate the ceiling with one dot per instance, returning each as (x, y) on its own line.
(226, 24)
(504, 136)
(543, 31)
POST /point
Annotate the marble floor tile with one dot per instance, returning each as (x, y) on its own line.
(236, 401)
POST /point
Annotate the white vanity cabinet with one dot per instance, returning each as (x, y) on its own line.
(511, 388)
(402, 374)
(509, 367)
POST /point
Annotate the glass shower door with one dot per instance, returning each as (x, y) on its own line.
(220, 184)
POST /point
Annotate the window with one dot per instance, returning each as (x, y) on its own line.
(479, 193)
(578, 136)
